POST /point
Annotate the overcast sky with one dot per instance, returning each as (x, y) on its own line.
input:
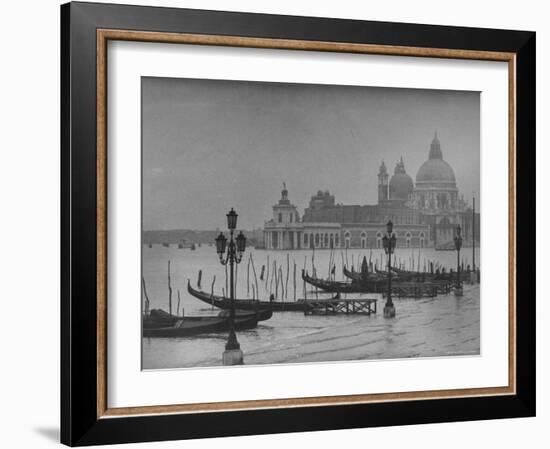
(209, 145)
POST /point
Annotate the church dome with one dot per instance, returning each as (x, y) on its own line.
(435, 170)
(401, 184)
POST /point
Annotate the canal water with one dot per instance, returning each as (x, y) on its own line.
(426, 327)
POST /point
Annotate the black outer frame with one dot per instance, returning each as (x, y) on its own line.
(79, 422)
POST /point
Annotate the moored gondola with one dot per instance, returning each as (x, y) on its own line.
(338, 286)
(194, 326)
(352, 274)
(245, 304)
(400, 287)
(363, 276)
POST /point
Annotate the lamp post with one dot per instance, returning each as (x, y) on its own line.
(473, 273)
(389, 248)
(234, 254)
(458, 245)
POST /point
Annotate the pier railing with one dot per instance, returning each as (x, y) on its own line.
(336, 306)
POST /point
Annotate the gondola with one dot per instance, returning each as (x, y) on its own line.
(383, 273)
(400, 275)
(374, 286)
(261, 315)
(353, 275)
(193, 326)
(160, 318)
(340, 287)
(246, 304)
(360, 276)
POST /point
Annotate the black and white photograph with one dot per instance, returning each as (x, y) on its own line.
(298, 223)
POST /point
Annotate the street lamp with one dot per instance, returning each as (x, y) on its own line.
(458, 245)
(388, 242)
(234, 254)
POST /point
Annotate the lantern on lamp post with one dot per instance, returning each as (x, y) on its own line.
(458, 245)
(388, 242)
(231, 253)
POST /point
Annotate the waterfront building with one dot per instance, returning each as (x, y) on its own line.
(425, 213)
(436, 198)
(283, 230)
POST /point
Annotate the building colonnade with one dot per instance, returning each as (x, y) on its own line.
(347, 238)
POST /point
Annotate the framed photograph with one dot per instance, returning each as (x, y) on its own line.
(283, 224)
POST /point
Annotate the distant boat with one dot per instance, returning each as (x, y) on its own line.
(448, 246)
(183, 244)
(166, 245)
(150, 245)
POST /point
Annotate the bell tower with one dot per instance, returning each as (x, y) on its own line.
(284, 212)
(284, 228)
(382, 183)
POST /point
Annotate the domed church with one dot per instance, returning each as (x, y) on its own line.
(435, 196)
(425, 213)
(435, 182)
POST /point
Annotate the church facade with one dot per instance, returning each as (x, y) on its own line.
(425, 213)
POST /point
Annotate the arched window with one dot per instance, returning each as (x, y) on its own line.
(331, 240)
(408, 239)
(421, 240)
(326, 240)
(363, 239)
(337, 240)
(347, 239)
(280, 217)
(316, 240)
(291, 217)
(306, 241)
(379, 239)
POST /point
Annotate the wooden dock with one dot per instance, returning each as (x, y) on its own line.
(338, 306)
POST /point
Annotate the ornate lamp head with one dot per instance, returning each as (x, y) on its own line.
(221, 242)
(232, 219)
(241, 243)
(458, 237)
(389, 239)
